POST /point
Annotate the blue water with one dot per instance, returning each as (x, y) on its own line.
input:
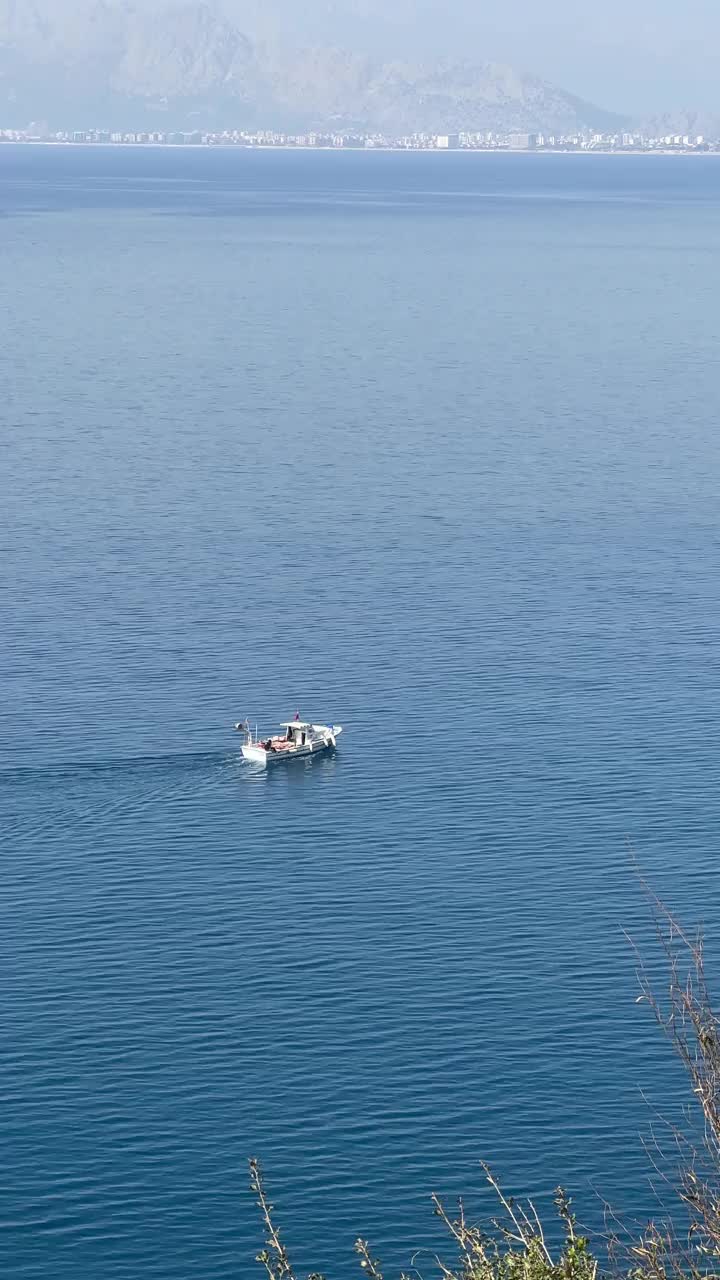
(428, 446)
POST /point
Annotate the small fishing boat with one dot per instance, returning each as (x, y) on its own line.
(298, 740)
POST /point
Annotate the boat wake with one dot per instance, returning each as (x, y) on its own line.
(113, 764)
(185, 775)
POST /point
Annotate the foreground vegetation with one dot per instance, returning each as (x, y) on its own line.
(514, 1245)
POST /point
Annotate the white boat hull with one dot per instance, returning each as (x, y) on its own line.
(323, 739)
(258, 755)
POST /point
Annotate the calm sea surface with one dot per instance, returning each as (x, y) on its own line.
(426, 445)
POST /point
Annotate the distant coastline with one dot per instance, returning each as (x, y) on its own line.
(477, 142)
(380, 149)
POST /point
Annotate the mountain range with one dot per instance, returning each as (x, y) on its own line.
(239, 63)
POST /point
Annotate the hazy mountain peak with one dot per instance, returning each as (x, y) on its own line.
(95, 62)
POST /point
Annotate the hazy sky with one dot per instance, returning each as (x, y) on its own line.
(633, 55)
(636, 54)
(626, 54)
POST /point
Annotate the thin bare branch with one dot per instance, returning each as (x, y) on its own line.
(369, 1264)
(274, 1257)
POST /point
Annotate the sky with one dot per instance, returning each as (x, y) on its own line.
(634, 55)
(637, 55)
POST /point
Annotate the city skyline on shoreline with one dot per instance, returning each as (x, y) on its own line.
(468, 141)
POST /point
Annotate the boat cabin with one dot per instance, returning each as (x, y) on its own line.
(297, 732)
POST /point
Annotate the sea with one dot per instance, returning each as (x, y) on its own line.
(426, 445)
